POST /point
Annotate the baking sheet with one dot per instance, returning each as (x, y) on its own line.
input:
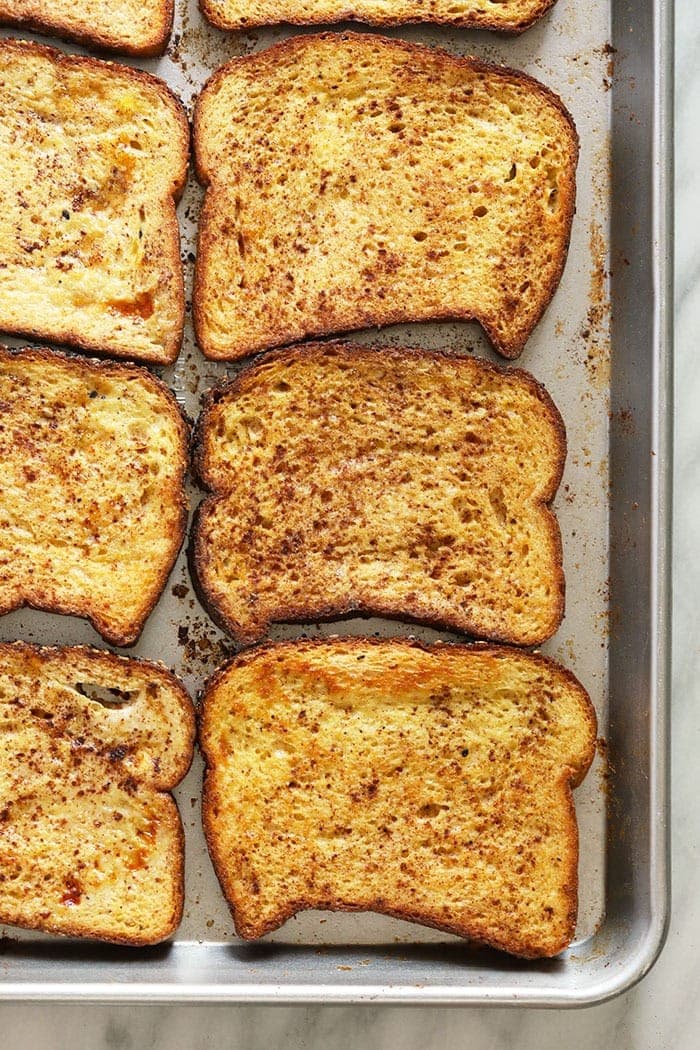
(571, 51)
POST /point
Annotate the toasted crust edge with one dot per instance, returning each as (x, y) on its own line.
(177, 854)
(74, 338)
(349, 14)
(356, 318)
(197, 553)
(80, 608)
(153, 44)
(570, 779)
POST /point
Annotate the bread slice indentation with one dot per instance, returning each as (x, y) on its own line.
(94, 158)
(403, 483)
(91, 843)
(352, 180)
(92, 502)
(431, 783)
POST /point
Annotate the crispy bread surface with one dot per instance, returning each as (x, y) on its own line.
(356, 181)
(431, 783)
(404, 483)
(92, 503)
(507, 16)
(132, 27)
(94, 157)
(91, 843)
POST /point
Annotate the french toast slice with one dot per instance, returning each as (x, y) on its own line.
(131, 27)
(506, 16)
(352, 181)
(91, 843)
(92, 503)
(405, 483)
(94, 158)
(431, 783)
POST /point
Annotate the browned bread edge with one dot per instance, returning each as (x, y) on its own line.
(349, 14)
(89, 37)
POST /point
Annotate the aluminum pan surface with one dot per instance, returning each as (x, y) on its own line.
(615, 409)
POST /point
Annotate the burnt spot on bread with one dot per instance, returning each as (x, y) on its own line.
(118, 753)
(72, 893)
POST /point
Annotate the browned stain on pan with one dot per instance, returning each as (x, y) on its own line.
(596, 331)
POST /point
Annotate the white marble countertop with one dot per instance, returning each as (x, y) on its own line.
(664, 1010)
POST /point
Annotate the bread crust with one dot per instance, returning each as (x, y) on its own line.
(316, 610)
(74, 337)
(475, 20)
(169, 814)
(82, 606)
(150, 45)
(356, 317)
(479, 934)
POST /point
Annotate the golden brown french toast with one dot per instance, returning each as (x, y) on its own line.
(506, 16)
(404, 483)
(432, 783)
(92, 503)
(132, 27)
(91, 843)
(352, 180)
(94, 158)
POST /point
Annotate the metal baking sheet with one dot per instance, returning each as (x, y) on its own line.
(603, 350)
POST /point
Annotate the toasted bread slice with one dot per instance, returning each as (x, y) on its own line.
(507, 16)
(92, 503)
(91, 844)
(403, 483)
(94, 156)
(356, 181)
(432, 783)
(132, 27)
